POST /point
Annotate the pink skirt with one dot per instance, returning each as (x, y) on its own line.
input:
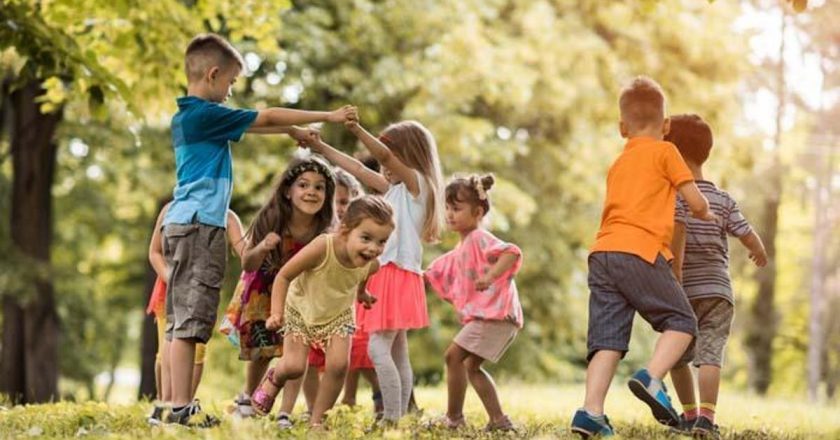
(400, 301)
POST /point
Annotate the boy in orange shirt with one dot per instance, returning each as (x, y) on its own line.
(629, 268)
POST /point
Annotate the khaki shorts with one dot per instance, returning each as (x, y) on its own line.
(200, 349)
(488, 340)
(196, 255)
(714, 320)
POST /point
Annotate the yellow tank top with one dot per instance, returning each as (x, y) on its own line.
(323, 293)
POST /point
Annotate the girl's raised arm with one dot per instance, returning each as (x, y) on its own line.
(386, 157)
(350, 164)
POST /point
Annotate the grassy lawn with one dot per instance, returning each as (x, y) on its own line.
(542, 411)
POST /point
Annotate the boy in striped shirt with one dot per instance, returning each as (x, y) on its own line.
(701, 263)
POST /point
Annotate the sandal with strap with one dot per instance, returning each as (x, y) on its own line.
(504, 425)
(261, 400)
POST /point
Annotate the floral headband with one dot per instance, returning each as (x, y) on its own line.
(309, 164)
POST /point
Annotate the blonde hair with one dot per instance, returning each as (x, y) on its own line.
(368, 207)
(414, 146)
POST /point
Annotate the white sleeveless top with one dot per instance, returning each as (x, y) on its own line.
(404, 248)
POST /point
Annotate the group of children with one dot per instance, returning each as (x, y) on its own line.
(332, 279)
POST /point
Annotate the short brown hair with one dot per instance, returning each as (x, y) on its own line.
(642, 104)
(208, 50)
(472, 190)
(692, 136)
(371, 207)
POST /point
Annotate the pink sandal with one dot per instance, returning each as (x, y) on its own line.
(262, 401)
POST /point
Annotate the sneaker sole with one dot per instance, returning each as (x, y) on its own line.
(582, 432)
(660, 413)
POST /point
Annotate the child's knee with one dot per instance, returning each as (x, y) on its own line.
(473, 364)
(336, 368)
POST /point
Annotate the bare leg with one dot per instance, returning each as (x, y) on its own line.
(198, 370)
(599, 374)
(291, 366)
(485, 388)
(670, 347)
(456, 381)
(338, 358)
(351, 385)
(683, 380)
(311, 382)
(290, 394)
(709, 383)
(254, 372)
(165, 374)
(182, 352)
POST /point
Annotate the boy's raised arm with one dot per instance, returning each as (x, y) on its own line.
(350, 164)
(281, 118)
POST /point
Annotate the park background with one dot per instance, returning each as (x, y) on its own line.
(525, 89)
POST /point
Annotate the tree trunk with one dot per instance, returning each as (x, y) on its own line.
(33, 360)
(764, 320)
(148, 345)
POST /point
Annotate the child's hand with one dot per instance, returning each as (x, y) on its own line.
(483, 282)
(302, 135)
(344, 114)
(352, 126)
(270, 241)
(367, 300)
(760, 258)
(709, 217)
(274, 322)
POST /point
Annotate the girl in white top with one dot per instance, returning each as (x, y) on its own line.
(411, 181)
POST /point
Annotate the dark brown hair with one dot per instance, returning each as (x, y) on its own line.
(642, 104)
(371, 207)
(472, 190)
(208, 50)
(415, 147)
(276, 214)
(692, 136)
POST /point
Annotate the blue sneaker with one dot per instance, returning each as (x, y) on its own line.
(655, 395)
(584, 425)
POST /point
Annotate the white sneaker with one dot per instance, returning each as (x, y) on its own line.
(243, 406)
(284, 421)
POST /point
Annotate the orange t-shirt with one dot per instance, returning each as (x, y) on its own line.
(642, 183)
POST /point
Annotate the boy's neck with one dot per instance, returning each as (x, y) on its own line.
(696, 170)
(196, 90)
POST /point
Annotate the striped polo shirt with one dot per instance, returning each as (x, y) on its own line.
(201, 135)
(706, 262)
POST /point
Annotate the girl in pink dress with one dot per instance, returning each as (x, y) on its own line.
(477, 278)
(411, 181)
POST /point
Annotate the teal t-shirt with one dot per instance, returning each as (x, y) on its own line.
(201, 136)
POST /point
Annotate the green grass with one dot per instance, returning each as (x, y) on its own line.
(542, 411)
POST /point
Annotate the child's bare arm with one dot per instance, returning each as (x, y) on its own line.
(697, 202)
(755, 246)
(505, 262)
(234, 233)
(386, 157)
(362, 295)
(306, 259)
(678, 249)
(156, 248)
(278, 117)
(350, 164)
(254, 254)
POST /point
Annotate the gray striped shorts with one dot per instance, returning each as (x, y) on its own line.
(621, 284)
